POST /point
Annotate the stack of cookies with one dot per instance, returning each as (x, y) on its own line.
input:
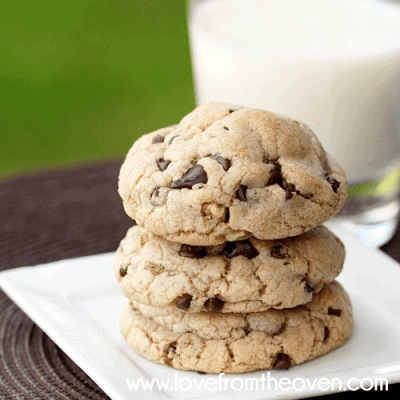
(227, 266)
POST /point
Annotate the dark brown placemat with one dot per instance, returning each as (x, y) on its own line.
(46, 217)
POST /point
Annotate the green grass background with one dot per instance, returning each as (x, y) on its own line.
(82, 79)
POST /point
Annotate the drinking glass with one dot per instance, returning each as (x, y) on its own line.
(334, 64)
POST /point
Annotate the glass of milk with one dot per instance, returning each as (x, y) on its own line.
(334, 64)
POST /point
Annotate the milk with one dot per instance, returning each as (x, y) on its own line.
(334, 64)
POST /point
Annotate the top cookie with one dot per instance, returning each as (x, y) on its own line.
(226, 173)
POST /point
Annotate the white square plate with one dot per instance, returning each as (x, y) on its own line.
(78, 303)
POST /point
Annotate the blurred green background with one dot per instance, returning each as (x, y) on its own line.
(82, 79)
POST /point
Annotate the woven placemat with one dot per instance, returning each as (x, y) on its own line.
(46, 217)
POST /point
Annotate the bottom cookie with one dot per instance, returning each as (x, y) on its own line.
(234, 343)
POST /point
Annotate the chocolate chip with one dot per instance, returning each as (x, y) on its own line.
(275, 174)
(334, 311)
(163, 164)
(183, 302)
(230, 111)
(191, 177)
(242, 248)
(171, 348)
(326, 333)
(226, 164)
(192, 251)
(278, 252)
(274, 177)
(262, 290)
(227, 215)
(230, 352)
(289, 195)
(308, 288)
(289, 188)
(214, 305)
(226, 128)
(123, 272)
(333, 182)
(201, 372)
(282, 361)
(247, 330)
(170, 351)
(227, 268)
(241, 193)
(157, 139)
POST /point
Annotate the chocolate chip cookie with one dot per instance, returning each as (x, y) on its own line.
(226, 173)
(243, 276)
(234, 343)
